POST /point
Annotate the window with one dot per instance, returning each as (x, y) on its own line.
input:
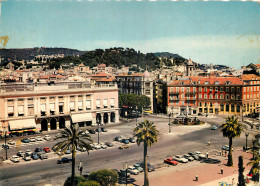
(200, 104)
(105, 103)
(238, 89)
(227, 96)
(20, 110)
(182, 89)
(80, 105)
(205, 89)
(188, 89)
(200, 89)
(221, 107)
(221, 89)
(216, 96)
(210, 105)
(10, 101)
(232, 96)
(112, 102)
(194, 89)
(216, 89)
(88, 104)
(182, 103)
(98, 102)
(72, 105)
(200, 96)
(205, 96)
(211, 96)
(177, 89)
(232, 89)
(211, 89)
(30, 110)
(61, 107)
(43, 107)
(52, 108)
(10, 111)
(227, 89)
(30, 100)
(182, 96)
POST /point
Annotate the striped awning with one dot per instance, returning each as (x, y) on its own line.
(76, 118)
(22, 124)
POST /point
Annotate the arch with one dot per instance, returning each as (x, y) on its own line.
(61, 123)
(221, 106)
(112, 117)
(53, 124)
(44, 125)
(227, 107)
(98, 118)
(238, 108)
(232, 107)
(105, 118)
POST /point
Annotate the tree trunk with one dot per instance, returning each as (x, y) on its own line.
(73, 166)
(146, 181)
(230, 159)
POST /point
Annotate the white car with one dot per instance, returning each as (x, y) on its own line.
(11, 142)
(32, 139)
(132, 170)
(15, 159)
(27, 158)
(103, 146)
(97, 146)
(38, 138)
(188, 157)
(29, 152)
(180, 159)
(47, 137)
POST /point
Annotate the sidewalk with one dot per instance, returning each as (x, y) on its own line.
(208, 174)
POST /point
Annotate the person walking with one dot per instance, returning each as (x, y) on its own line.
(196, 178)
(221, 170)
(209, 143)
(207, 155)
(80, 168)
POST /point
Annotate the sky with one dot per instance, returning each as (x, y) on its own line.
(224, 33)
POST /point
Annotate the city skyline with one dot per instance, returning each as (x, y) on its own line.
(190, 29)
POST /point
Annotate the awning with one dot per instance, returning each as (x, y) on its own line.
(81, 117)
(22, 124)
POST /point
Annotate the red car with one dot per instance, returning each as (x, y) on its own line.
(46, 149)
(170, 161)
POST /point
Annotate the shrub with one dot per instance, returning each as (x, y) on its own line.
(89, 183)
(77, 179)
(105, 177)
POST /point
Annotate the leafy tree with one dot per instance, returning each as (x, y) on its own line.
(105, 177)
(73, 138)
(147, 134)
(241, 179)
(231, 129)
(255, 167)
(89, 183)
(77, 180)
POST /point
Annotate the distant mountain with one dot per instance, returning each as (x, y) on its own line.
(167, 54)
(30, 53)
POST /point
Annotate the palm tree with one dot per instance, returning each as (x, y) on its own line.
(146, 133)
(231, 129)
(73, 138)
(255, 166)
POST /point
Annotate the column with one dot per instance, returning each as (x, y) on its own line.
(25, 107)
(102, 118)
(116, 116)
(15, 107)
(108, 117)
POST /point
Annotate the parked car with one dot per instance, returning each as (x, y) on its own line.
(64, 160)
(125, 141)
(46, 149)
(214, 127)
(11, 142)
(38, 138)
(25, 140)
(27, 158)
(32, 139)
(103, 145)
(132, 170)
(149, 166)
(103, 129)
(124, 147)
(68, 151)
(35, 156)
(5, 146)
(138, 167)
(188, 157)
(81, 149)
(28, 152)
(118, 138)
(96, 146)
(170, 161)
(132, 140)
(43, 156)
(20, 153)
(47, 137)
(37, 149)
(109, 144)
(180, 159)
(15, 159)
(226, 147)
(92, 131)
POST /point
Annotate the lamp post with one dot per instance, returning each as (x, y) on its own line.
(5, 145)
(247, 134)
(99, 121)
(243, 107)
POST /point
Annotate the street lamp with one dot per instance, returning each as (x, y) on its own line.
(247, 134)
(243, 108)
(5, 146)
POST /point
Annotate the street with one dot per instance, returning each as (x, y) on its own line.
(181, 140)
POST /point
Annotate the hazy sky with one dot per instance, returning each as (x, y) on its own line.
(208, 32)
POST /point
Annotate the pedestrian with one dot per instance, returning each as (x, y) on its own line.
(196, 178)
(225, 153)
(232, 181)
(209, 143)
(80, 168)
(221, 170)
(207, 155)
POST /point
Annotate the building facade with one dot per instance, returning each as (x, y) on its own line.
(214, 95)
(51, 106)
